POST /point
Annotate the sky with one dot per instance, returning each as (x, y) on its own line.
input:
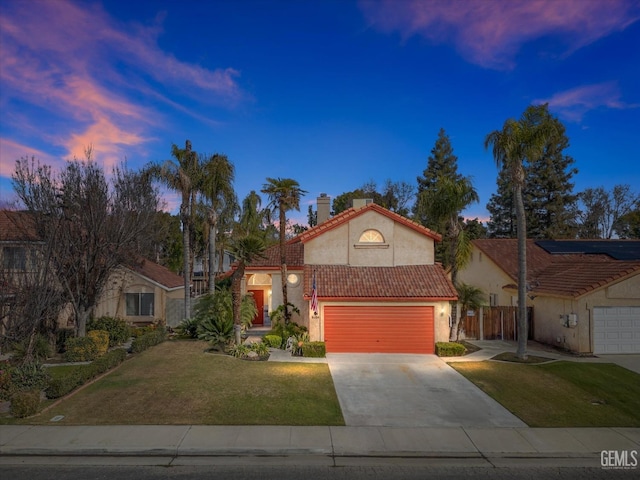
(331, 93)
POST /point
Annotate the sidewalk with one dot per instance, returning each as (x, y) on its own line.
(179, 441)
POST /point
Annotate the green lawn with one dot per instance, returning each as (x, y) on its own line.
(561, 394)
(178, 383)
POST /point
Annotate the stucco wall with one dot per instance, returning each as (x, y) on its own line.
(341, 246)
(483, 273)
(549, 326)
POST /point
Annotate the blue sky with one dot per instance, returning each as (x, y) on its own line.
(333, 93)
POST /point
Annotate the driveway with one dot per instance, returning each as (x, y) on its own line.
(628, 361)
(398, 390)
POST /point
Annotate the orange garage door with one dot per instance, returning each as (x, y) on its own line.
(379, 329)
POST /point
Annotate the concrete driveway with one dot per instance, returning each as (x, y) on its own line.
(628, 361)
(397, 390)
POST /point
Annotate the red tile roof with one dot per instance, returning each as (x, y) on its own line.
(570, 275)
(350, 213)
(17, 227)
(158, 274)
(411, 282)
(294, 252)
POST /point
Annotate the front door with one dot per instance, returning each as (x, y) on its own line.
(258, 296)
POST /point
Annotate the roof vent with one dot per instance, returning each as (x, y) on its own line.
(361, 202)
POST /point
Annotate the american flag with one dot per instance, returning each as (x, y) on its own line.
(314, 296)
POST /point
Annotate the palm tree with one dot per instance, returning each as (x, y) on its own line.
(519, 141)
(284, 195)
(442, 205)
(182, 175)
(217, 186)
(470, 298)
(245, 249)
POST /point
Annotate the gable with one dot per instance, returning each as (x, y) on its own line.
(356, 242)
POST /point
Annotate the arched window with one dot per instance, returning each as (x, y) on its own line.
(371, 236)
(259, 279)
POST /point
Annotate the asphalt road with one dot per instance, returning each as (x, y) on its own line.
(297, 472)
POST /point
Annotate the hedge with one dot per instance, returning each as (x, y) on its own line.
(118, 329)
(81, 349)
(25, 403)
(101, 339)
(273, 341)
(450, 349)
(149, 339)
(314, 349)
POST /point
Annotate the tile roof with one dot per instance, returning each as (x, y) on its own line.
(410, 282)
(17, 226)
(159, 274)
(350, 213)
(570, 275)
(294, 252)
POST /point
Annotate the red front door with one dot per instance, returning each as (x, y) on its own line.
(258, 296)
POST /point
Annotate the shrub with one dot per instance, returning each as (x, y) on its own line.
(65, 384)
(21, 378)
(273, 341)
(449, 349)
(118, 329)
(80, 349)
(216, 330)
(314, 349)
(286, 331)
(60, 386)
(238, 351)
(25, 403)
(188, 327)
(260, 348)
(149, 339)
(41, 349)
(62, 336)
(101, 339)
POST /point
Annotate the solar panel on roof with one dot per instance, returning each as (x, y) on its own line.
(617, 249)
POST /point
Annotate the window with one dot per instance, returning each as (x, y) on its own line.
(140, 304)
(371, 236)
(14, 258)
(293, 279)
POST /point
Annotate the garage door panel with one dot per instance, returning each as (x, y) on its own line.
(616, 329)
(379, 329)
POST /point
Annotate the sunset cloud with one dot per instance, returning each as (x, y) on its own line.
(57, 62)
(491, 32)
(574, 103)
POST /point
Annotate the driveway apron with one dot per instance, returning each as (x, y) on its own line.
(398, 390)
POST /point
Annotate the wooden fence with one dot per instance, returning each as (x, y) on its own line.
(498, 323)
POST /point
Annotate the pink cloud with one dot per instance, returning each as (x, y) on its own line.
(572, 104)
(11, 151)
(57, 57)
(490, 32)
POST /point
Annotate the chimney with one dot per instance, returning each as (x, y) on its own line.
(361, 202)
(323, 208)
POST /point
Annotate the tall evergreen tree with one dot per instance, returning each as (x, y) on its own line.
(502, 210)
(441, 163)
(549, 203)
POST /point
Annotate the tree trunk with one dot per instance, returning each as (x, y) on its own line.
(283, 265)
(82, 315)
(522, 273)
(186, 241)
(236, 300)
(212, 257)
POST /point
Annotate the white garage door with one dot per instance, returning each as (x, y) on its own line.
(616, 330)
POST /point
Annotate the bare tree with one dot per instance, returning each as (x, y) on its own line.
(92, 226)
(602, 210)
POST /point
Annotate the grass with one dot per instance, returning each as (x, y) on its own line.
(512, 357)
(561, 394)
(177, 383)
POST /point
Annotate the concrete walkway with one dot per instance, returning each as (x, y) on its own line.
(322, 442)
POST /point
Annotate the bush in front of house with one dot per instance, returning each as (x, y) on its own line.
(314, 349)
(21, 378)
(41, 349)
(273, 341)
(25, 403)
(450, 349)
(149, 339)
(188, 327)
(118, 329)
(101, 339)
(81, 349)
(60, 386)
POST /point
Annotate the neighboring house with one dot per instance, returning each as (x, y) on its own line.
(143, 294)
(585, 293)
(139, 294)
(379, 289)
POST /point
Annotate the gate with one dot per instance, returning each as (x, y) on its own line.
(498, 323)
